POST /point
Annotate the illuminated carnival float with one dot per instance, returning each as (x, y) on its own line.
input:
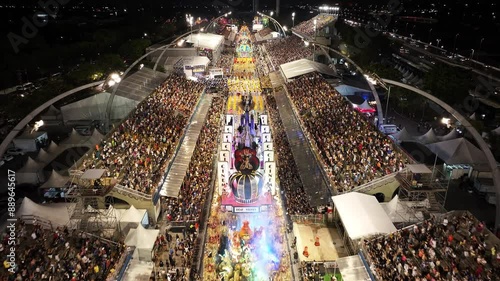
(246, 228)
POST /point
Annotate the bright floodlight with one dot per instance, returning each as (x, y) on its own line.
(38, 124)
(306, 43)
(445, 121)
(272, 13)
(115, 76)
(180, 42)
(111, 83)
(284, 28)
(293, 14)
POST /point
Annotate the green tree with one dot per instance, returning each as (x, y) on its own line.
(448, 83)
(134, 49)
(110, 62)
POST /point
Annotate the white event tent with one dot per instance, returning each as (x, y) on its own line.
(143, 240)
(132, 218)
(362, 216)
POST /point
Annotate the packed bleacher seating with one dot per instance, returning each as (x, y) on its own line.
(264, 32)
(138, 151)
(286, 50)
(307, 27)
(295, 196)
(454, 247)
(353, 151)
(195, 188)
(60, 255)
(196, 182)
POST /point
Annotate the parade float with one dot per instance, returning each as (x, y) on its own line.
(246, 229)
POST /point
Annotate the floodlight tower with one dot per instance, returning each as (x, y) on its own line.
(277, 7)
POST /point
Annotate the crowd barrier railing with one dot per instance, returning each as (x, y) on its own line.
(123, 264)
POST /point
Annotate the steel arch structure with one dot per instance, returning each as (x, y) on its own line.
(25, 121)
(475, 134)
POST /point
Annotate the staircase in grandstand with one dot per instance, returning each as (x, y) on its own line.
(376, 183)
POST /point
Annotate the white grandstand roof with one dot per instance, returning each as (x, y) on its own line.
(304, 66)
(196, 61)
(362, 215)
(205, 40)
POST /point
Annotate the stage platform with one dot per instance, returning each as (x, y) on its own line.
(330, 249)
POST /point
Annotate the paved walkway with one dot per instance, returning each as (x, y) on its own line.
(176, 173)
(309, 169)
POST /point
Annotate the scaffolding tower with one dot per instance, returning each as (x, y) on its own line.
(93, 212)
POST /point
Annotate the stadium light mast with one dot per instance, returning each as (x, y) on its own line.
(277, 7)
(293, 19)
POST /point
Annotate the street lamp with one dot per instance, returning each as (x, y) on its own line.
(472, 54)
(293, 19)
(455, 44)
(411, 35)
(387, 104)
(272, 13)
(438, 40)
(480, 44)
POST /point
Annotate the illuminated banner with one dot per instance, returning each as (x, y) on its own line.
(268, 146)
(265, 129)
(246, 209)
(270, 177)
(269, 156)
(263, 119)
(226, 146)
(222, 174)
(229, 118)
(266, 137)
(224, 156)
(227, 138)
(228, 129)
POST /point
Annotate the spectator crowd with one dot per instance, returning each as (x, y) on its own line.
(296, 199)
(352, 149)
(308, 27)
(456, 247)
(287, 49)
(193, 193)
(59, 255)
(138, 151)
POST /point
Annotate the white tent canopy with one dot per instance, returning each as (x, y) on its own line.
(496, 131)
(43, 156)
(52, 147)
(453, 134)
(304, 66)
(429, 137)
(362, 215)
(205, 40)
(92, 174)
(55, 180)
(419, 169)
(74, 138)
(403, 135)
(31, 166)
(96, 137)
(458, 151)
(58, 214)
(143, 240)
(365, 105)
(131, 218)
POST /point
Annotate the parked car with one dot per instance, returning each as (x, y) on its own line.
(7, 158)
(15, 151)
